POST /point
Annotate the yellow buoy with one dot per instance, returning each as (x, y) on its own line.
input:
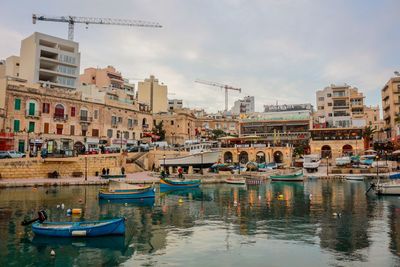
(180, 200)
(76, 211)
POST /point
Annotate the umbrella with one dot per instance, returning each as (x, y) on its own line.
(396, 152)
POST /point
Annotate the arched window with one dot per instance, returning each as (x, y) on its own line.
(326, 151)
(228, 157)
(243, 157)
(260, 157)
(278, 157)
(59, 110)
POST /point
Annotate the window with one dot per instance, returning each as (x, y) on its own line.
(120, 119)
(66, 81)
(330, 104)
(46, 127)
(59, 110)
(32, 108)
(72, 130)
(59, 128)
(172, 122)
(17, 104)
(126, 135)
(109, 133)
(113, 120)
(130, 123)
(96, 114)
(329, 95)
(321, 108)
(73, 111)
(329, 114)
(46, 108)
(321, 98)
(84, 114)
(95, 132)
(16, 125)
(133, 135)
(31, 127)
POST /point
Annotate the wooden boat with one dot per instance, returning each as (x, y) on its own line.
(295, 177)
(233, 180)
(178, 184)
(350, 177)
(72, 229)
(112, 176)
(120, 190)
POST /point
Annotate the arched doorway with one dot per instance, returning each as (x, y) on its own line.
(347, 150)
(326, 151)
(243, 157)
(228, 157)
(260, 157)
(79, 147)
(278, 157)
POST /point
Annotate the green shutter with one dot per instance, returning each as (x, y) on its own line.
(16, 125)
(31, 109)
(31, 126)
(21, 146)
(17, 104)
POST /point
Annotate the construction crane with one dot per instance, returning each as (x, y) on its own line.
(222, 86)
(71, 20)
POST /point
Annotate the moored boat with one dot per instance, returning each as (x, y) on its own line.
(87, 228)
(120, 190)
(350, 177)
(388, 188)
(178, 184)
(233, 180)
(295, 177)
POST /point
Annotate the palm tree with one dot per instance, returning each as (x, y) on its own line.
(368, 135)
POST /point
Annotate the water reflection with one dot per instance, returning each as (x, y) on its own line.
(211, 221)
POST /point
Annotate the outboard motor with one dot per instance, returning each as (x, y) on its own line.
(42, 216)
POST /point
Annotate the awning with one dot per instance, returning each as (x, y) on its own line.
(92, 140)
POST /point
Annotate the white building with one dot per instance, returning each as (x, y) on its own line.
(243, 106)
(174, 104)
(50, 60)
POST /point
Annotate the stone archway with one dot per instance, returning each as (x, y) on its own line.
(243, 157)
(326, 151)
(278, 157)
(228, 158)
(260, 157)
(347, 150)
(79, 147)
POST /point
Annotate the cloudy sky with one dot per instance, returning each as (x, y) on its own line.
(276, 50)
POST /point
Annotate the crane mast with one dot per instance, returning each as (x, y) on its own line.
(71, 20)
(222, 86)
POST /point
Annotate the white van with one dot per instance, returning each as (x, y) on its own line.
(161, 144)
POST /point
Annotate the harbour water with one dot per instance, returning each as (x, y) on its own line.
(315, 223)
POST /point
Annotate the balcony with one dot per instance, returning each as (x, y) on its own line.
(60, 117)
(32, 115)
(114, 125)
(85, 119)
(340, 107)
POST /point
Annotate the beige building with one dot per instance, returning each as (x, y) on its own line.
(391, 106)
(49, 60)
(339, 106)
(206, 123)
(179, 125)
(174, 104)
(61, 120)
(10, 67)
(153, 94)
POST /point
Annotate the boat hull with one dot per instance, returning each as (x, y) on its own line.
(75, 229)
(235, 181)
(354, 178)
(166, 185)
(298, 177)
(201, 160)
(388, 189)
(126, 194)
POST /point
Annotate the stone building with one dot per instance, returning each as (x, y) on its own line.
(206, 123)
(61, 120)
(154, 94)
(391, 106)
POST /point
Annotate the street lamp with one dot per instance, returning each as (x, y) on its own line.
(201, 166)
(327, 166)
(164, 162)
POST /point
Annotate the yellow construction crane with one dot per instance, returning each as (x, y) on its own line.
(71, 20)
(223, 86)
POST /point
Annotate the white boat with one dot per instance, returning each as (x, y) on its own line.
(388, 188)
(233, 180)
(343, 161)
(311, 162)
(200, 156)
(352, 177)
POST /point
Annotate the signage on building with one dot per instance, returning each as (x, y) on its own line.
(294, 107)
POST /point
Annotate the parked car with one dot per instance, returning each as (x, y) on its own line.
(133, 149)
(11, 154)
(92, 151)
(144, 147)
(111, 149)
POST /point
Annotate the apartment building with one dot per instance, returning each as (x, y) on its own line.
(339, 106)
(206, 123)
(154, 94)
(391, 106)
(49, 60)
(174, 104)
(60, 120)
(244, 106)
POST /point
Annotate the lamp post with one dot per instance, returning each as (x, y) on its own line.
(327, 166)
(164, 162)
(377, 166)
(201, 166)
(86, 167)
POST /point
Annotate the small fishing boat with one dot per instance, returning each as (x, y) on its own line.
(388, 188)
(233, 180)
(120, 190)
(351, 177)
(178, 184)
(290, 177)
(72, 229)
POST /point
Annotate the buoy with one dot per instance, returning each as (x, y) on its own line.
(62, 206)
(126, 204)
(180, 200)
(280, 196)
(76, 211)
(310, 196)
(58, 206)
(52, 253)
(69, 211)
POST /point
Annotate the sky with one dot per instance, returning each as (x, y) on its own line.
(276, 50)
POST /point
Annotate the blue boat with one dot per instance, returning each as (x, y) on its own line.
(120, 190)
(178, 184)
(72, 229)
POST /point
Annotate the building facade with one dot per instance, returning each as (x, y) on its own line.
(339, 106)
(244, 106)
(391, 106)
(206, 123)
(61, 120)
(49, 60)
(153, 94)
(174, 104)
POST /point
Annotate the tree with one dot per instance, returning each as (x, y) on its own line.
(158, 129)
(368, 135)
(217, 133)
